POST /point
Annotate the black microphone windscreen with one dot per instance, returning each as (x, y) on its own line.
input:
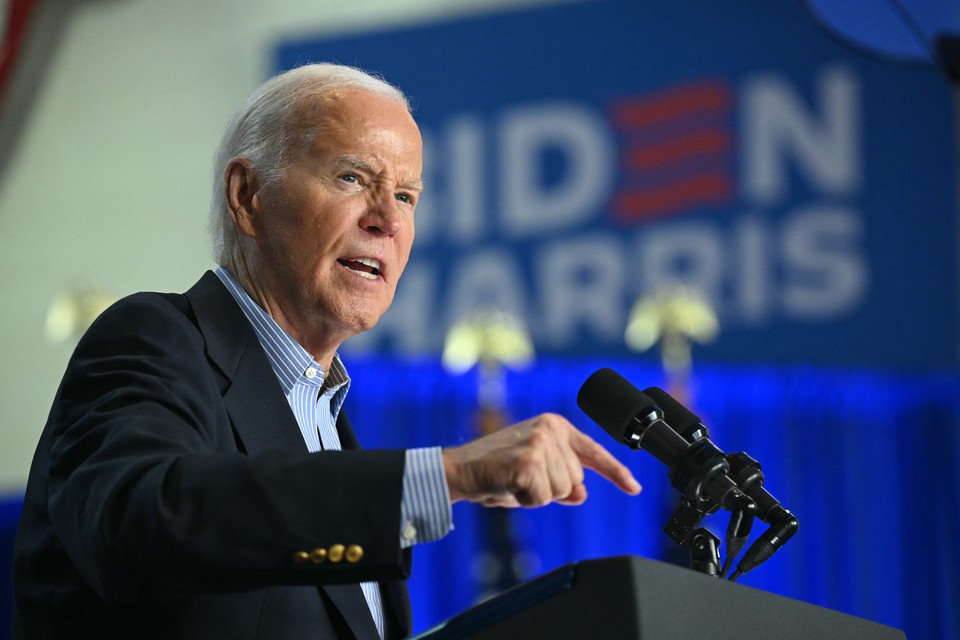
(675, 414)
(612, 402)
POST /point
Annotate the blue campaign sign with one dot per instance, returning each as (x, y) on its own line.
(580, 156)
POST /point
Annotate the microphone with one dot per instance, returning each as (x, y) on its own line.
(634, 419)
(747, 474)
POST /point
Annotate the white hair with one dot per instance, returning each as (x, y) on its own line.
(265, 129)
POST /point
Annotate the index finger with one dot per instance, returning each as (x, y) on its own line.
(594, 456)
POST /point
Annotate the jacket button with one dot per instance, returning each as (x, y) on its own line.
(354, 553)
(318, 555)
(336, 553)
(301, 557)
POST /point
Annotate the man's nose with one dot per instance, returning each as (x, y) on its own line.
(383, 214)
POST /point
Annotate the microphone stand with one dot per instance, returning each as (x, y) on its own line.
(690, 473)
(683, 527)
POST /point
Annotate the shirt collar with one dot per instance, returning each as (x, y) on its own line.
(289, 360)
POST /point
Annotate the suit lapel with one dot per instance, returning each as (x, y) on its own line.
(348, 598)
(253, 397)
(263, 420)
(396, 602)
(259, 411)
(348, 439)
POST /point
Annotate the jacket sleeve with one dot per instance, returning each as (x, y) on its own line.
(153, 490)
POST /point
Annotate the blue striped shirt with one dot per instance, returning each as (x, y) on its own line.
(316, 398)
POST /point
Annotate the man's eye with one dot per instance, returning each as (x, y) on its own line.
(350, 177)
(405, 197)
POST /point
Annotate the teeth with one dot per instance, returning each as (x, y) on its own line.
(370, 262)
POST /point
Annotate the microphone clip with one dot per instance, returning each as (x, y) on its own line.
(684, 528)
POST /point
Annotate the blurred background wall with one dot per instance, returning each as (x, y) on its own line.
(583, 160)
(107, 177)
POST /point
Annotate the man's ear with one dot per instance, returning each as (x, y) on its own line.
(243, 199)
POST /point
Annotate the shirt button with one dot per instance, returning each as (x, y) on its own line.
(409, 532)
(310, 373)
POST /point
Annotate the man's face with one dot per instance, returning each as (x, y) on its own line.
(334, 234)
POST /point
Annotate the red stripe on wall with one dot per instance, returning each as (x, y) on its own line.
(631, 205)
(702, 143)
(672, 103)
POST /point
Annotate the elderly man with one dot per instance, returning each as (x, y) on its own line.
(196, 477)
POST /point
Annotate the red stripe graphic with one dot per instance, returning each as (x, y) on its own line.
(699, 143)
(634, 205)
(677, 102)
(677, 151)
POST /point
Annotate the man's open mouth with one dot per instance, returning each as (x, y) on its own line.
(366, 267)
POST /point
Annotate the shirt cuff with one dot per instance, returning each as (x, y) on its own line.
(425, 512)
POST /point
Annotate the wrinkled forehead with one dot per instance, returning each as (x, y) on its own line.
(341, 108)
(354, 120)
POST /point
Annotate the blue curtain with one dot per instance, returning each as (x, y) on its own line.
(868, 461)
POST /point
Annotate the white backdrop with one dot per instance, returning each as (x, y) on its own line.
(110, 183)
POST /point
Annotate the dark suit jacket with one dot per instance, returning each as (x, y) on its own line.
(171, 491)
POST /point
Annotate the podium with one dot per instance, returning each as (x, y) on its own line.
(631, 598)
